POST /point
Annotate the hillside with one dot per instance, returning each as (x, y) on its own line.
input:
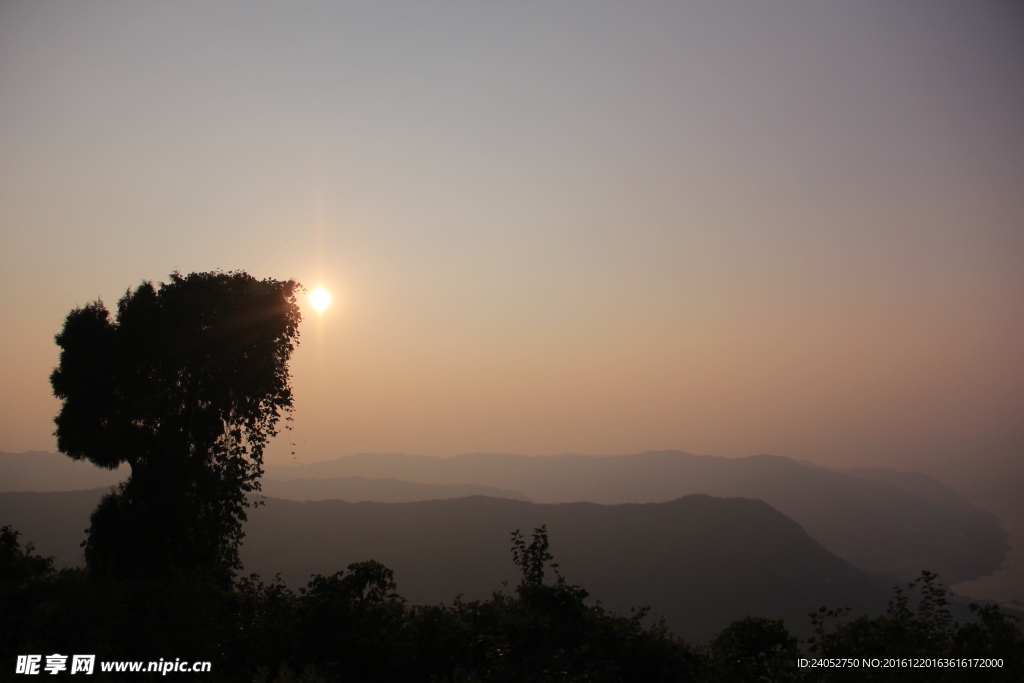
(42, 471)
(880, 520)
(358, 489)
(702, 562)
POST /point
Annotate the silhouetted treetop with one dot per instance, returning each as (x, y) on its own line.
(186, 385)
(206, 353)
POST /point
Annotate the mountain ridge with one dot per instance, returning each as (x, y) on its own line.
(881, 520)
(699, 561)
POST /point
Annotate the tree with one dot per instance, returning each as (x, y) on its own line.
(18, 564)
(918, 626)
(186, 386)
(753, 649)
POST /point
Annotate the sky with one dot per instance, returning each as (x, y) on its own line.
(599, 227)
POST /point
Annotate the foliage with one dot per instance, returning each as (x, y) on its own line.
(19, 569)
(753, 649)
(18, 564)
(924, 631)
(353, 625)
(186, 386)
(531, 559)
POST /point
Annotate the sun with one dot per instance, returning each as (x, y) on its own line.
(320, 298)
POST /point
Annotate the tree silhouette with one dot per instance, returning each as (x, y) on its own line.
(186, 386)
(17, 563)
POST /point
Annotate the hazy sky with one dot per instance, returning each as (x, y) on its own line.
(605, 227)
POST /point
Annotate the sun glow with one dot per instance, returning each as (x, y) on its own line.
(320, 298)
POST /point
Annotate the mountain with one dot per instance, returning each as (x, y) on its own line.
(357, 489)
(55, 522)
(699, 561)
(880, 520)
(42, 471)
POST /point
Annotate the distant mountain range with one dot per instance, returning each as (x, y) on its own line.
(880, 520)
(42, 471)
(358, 489)
(54, 522)
(700, 562)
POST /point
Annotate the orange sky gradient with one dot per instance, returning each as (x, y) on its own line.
(726, 228)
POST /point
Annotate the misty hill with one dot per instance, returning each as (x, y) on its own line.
(42, 471)
(699, 561)
(358, 489)
(878, 519)
(54, 522)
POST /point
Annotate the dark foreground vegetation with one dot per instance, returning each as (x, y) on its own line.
(354, 626)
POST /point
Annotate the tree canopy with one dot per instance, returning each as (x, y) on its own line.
(186, 385)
